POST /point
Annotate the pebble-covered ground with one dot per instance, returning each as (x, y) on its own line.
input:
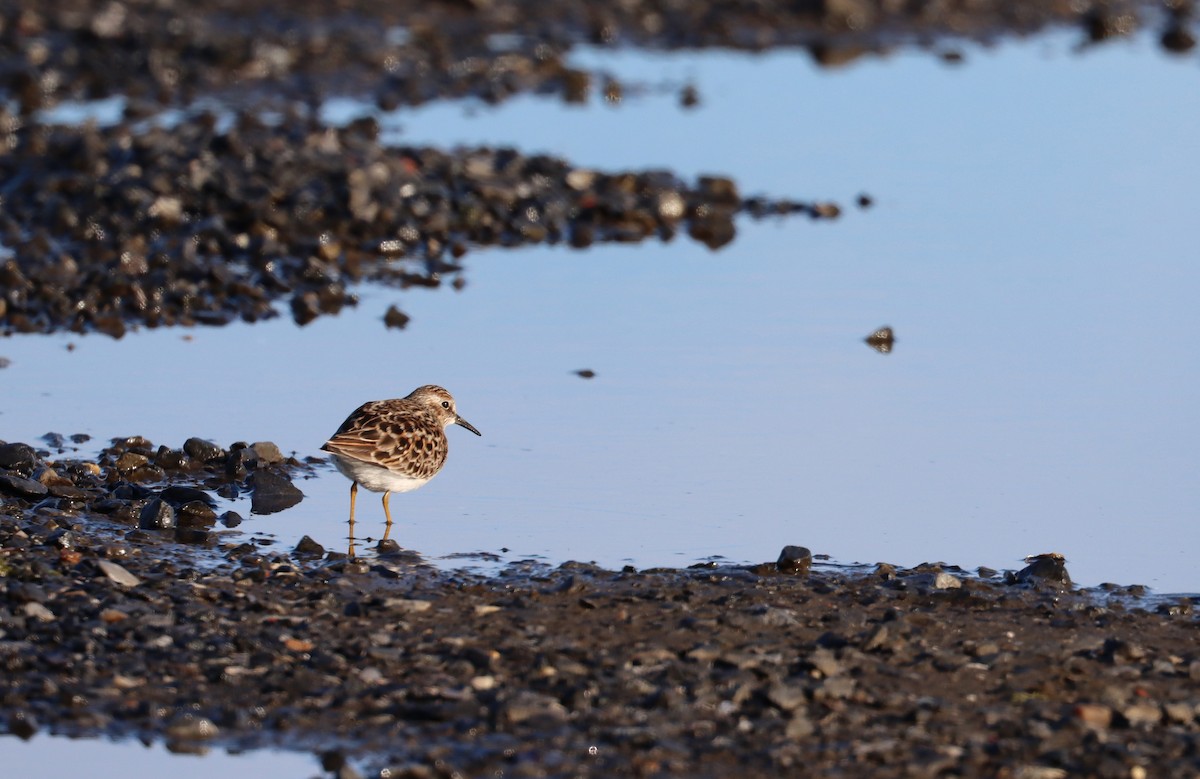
(108, 627)
(124, 612)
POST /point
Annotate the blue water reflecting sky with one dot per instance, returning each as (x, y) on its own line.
(1031, 242)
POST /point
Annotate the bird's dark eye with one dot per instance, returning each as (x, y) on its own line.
(445, 404)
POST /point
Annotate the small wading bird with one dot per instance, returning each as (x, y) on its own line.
(394, 445)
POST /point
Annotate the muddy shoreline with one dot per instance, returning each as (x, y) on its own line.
(110, 626)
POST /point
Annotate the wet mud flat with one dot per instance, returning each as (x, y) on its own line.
(113, 627)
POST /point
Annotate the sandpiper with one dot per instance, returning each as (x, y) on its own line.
(395, 445)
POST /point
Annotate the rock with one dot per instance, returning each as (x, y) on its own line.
(308, 547)
(21, 487)
(526, 706)
(117, 574)
(794, 560)
(272, 493)
(196, 536)
(38, 611)
(1179, 713)
(195, 513)
(946, 581)
(825, 662)
(240, 462)
(388, 546)
(1094, 715)
(18, 457)
(157, 515)
(189, 727)
(930, 577)
(202, 451)
(267, 452)
(1142, 715)
(22, 724)
(787, 697)
(407, 605)
(799, 726)
(395, 318)
(231, 519)
(177, 495)
(130, 461)
(1050, 567)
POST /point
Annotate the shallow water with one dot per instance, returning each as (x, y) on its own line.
(1030, 242)
(63, 758)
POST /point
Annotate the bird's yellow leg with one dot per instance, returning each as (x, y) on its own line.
(387, 512)
(353, 495)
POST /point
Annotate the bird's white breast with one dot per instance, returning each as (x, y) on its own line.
(375, 477)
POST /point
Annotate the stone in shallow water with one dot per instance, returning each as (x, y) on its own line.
(21, 487)
(17, 456)
(157, 515)
(178, 495)
(307, 546)
(794, 559)
(199, 449)
(267, 452)
(272, 493)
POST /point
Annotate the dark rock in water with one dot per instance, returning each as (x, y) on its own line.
(157, 515)
(130, 460)
(387, 546)
(125, 491)
(196, 513)
(63, 539)
(882, 340)
(305, 308)
(150, 473)
(192, 535)
(21, 487)
(172, 459)
(240, 462)
(395, 318)
(1050, 567)
(17, 457)
(307, 546)
(272, 493)
(794, 559)
(201, 450)
(23, 725)
(178, 495)
(231, 519)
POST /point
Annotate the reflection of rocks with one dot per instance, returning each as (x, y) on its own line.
(264, 225)
(408, 52)
(272, 492)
